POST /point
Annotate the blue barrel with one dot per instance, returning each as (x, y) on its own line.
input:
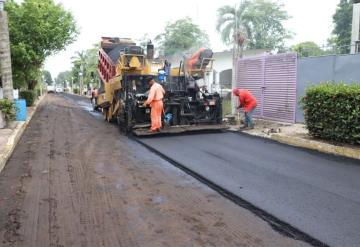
(20, 110)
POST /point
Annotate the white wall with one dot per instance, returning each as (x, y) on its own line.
(15, 93)
(224, 61)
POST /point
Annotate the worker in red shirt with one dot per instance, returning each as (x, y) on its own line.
(155, 100)
(248, 102)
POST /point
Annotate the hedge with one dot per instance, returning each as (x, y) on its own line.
(29, 96)
(332, 111)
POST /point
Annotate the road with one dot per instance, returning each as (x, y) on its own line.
(316, 193)
(74, 180)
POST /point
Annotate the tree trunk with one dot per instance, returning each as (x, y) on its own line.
(241, 52)
(5, 58)
(31, 84)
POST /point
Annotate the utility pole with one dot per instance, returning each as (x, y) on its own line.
(81, 74)
(234, 51)
(239, 37)
(5, 57)
(71, 85)
(42, 82)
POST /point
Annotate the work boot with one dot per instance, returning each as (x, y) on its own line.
(242, 127)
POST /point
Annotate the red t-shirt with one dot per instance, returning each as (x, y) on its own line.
(246, 99)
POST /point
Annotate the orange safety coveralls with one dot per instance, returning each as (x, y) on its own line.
(154, 99)
(194, 58)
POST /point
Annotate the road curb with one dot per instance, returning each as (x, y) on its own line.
(349, 152)
(15, 137)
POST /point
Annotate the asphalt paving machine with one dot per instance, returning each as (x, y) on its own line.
(123, 68)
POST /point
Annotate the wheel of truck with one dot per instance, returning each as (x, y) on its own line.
(118, 119)
(121, 123)
(175, 120)
(105, 113)
(128, 119)
(121, 120)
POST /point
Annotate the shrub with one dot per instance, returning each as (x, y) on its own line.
(332, 111)
(76, 91)
(226, 107)
(29, 96)
(8, 108)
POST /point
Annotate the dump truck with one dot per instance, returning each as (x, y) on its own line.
(123, 68)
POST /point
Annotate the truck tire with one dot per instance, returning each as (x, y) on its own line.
(128, 119)
(175, 120)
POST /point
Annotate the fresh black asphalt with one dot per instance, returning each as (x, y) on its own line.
(316, 193)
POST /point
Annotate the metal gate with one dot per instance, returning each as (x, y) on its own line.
(272, 80)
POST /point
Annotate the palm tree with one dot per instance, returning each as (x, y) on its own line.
(5, 58)
(88, 59)
(80, 58)
(234, 25)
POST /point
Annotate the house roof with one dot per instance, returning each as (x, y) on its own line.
(246, 52)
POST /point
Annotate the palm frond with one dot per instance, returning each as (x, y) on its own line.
(227, 33)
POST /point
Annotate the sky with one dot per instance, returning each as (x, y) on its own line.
(310, 21)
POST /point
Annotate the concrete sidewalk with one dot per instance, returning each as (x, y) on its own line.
(10, 137)
(298, 135)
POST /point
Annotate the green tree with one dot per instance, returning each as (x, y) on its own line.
(47, 77)
(180, 36)
(342, 26)
(38, 29)
(261, 21)
(234, 26)
(307, 49)
(143, 40)
(63, 78)
(230, 18)
(79, 62)
(91, 63)
(89, 60)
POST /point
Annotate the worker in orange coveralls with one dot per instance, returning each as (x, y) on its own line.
(248, 102)
(155, 100)
(194, 58)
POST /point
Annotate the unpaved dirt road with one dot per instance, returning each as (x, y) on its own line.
(74, 180)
